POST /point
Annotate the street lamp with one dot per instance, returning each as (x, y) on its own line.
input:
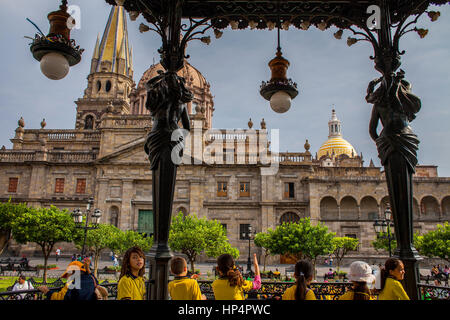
(383, 226)
(77, 216)
(250, 235)
(56, 52)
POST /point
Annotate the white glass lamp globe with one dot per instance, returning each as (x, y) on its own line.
(54, 66)
(280, 102)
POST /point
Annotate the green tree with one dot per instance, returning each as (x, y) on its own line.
(129, 238)
(381, 243)
(9, 212)
(301, 240)
(98, 240)
(262, 240)
(341, 246)
(45, 227)
(435, 243)
(193, 236)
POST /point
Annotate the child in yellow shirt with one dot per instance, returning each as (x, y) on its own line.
(183, 288)
(231, 285)
(131, 284)
(361, 275)
(303, 274)
(391, 275)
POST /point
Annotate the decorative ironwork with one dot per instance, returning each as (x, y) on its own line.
(393, 103)
(268, 291)
(428, 292)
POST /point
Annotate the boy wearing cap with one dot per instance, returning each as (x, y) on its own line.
(183, 288)
(74, 290)
(361, 275)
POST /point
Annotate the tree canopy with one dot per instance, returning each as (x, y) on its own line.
(193, 236)
(435, 243)
(45, 227)
(341, 246)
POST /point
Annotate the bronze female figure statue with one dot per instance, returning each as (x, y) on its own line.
(166, 98)
(395, 106)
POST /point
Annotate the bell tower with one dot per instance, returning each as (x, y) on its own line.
(110, 80)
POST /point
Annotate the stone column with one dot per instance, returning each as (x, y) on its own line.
(126, 216)
(100, 196)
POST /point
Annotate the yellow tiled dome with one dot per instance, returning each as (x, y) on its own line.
(335, 145)
(338, 145)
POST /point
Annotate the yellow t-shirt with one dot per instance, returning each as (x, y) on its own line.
(184, 289)
(223, 291)
(349, 296)
(393, 290)
(131, 288)
(289, 294)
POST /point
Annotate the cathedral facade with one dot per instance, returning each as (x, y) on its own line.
(223, 174)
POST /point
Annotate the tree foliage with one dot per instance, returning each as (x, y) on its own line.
(98, 240)
(341, 246)
(301, 239)
(129, 238)
(9, 212)
(45, 227)
(262, 240)
(381, 243)
(435, 243)
(193, 236)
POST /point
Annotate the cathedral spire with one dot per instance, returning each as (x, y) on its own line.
(112, 53)
(110, 80)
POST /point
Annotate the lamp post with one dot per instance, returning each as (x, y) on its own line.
(250, 235)
(384, 226)
(77, 215)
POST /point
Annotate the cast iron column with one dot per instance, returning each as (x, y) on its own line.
(166, 98)
(395, 106)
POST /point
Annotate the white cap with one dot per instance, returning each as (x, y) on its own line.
(361, 272)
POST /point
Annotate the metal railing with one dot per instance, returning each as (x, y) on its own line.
(268, 291)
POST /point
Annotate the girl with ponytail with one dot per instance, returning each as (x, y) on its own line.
(231, 285)
(303, 274)
(391, 275)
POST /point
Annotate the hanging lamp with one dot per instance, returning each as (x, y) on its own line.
(56, 51)
(279, 90)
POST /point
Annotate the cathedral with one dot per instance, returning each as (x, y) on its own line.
(223, 175)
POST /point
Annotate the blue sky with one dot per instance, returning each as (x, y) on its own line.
(328, 72)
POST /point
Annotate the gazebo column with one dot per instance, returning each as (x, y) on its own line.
(165, 99)
(394, 107)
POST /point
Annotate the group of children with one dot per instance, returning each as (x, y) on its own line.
(232, 286)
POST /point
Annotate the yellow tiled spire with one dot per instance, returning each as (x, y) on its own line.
(114, 45)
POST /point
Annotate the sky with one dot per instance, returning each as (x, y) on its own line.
(329, 74)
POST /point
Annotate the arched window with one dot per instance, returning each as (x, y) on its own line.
(99, 85)
(329, 208)
(114, 216)
(289, 217)
(429, 208)
(89, 122)
(182, 210)
(446, 207)
(349, 208)
(369, 208)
